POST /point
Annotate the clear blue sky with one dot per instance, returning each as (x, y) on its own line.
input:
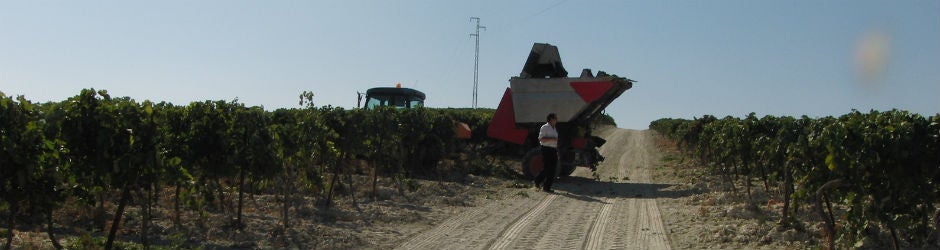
(690, 58)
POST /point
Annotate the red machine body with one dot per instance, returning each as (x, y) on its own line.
(543, 87)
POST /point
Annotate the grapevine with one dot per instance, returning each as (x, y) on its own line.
(877, 168)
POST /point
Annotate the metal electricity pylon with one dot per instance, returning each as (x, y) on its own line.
(476, 59)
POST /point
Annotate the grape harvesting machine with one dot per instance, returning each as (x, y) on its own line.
(544, 87)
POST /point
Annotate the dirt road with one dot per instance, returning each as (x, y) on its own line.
(616, 209)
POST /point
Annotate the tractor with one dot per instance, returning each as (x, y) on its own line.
(387, 96)
(544, 87)
(404, 98)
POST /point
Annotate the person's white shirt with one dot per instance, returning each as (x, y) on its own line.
(547, 131)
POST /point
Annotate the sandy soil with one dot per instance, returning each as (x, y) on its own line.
(641, 197)
(616, 208)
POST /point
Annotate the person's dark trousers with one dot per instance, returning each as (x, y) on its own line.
(547, 176)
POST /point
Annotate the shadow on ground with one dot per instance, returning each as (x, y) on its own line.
(588, 189)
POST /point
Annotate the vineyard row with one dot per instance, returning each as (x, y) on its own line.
(92, 147)
(860, 172)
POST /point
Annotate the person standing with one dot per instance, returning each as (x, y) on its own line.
(548, 139)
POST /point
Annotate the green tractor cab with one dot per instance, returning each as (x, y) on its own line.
(398, 97)
(404, 98)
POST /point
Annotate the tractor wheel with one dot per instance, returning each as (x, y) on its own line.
(532, 163)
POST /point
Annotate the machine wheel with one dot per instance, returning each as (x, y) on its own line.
(532, 163)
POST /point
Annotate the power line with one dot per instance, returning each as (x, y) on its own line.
(476, 59)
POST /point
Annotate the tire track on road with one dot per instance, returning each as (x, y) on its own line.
(511, 232)
(470, 229)
(564, 224)
(651, 233)
(585, 213)
(426, 240)
(597, 232)
(596, 235)
(632, 218)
